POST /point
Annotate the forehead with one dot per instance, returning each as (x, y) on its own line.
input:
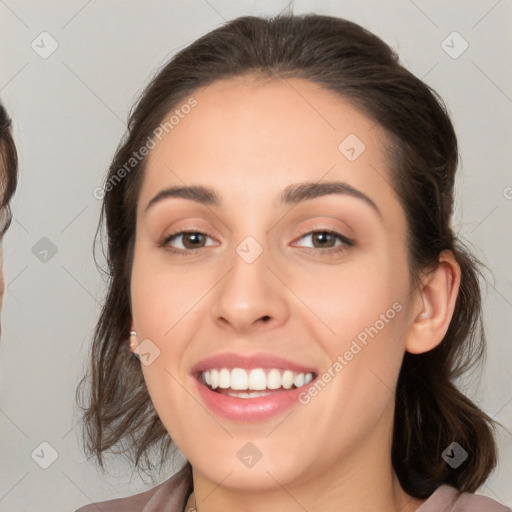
(265, 134)
(275, 111)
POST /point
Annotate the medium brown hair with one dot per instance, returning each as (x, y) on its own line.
(341, 56)
(8, 170)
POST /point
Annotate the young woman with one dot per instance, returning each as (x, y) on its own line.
(282, 263)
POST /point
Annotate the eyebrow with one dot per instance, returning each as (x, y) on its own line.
(291, 195)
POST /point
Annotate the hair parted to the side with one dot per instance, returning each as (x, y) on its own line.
(341, 56)
(8, 170)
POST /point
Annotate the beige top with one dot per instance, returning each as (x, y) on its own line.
(172, 496)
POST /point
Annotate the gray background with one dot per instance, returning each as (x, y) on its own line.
(70, 112)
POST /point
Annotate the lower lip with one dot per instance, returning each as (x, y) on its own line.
(248, 409)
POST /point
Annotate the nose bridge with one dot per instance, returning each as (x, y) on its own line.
(250, 292)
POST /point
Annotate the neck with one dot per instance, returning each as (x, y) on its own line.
(394, 499)
(362, 481)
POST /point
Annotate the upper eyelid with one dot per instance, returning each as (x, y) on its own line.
(181, 232)
(333, 232)
(320, 225)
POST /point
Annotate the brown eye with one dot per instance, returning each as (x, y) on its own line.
(186, 240)
(324, 239)
(329, 240)
(192, 240)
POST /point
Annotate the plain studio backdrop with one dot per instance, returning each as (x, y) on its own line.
(70, 71)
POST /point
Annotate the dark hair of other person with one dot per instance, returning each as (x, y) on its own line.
(8, 169)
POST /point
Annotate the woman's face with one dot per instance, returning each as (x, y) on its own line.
(263, 279)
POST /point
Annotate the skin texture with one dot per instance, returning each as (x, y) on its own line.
(249, 140)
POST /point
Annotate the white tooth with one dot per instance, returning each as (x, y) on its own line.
(257, 379)
(224, 378)
(214, 376)
(239, 378)
(298, 380)
(274, 379)
(287, 379)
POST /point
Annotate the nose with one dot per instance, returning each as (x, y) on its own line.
(251, 296)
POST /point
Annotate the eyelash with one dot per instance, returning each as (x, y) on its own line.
(346, 242)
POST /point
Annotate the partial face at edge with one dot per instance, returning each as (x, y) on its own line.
(319, 294)
(2, 280)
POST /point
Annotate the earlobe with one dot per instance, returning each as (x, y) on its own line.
(133, 337)
(436, 300)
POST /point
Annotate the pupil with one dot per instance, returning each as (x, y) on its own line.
(192, 236)
(323, 237)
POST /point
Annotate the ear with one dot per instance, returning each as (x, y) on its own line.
(434, 305)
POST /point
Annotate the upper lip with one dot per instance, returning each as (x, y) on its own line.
(249, 361)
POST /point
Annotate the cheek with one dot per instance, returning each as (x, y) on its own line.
(166, 308)
(355, 391)
(163, 297)
(358, 315)
(346, 300)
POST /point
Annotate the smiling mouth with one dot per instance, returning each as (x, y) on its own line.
(255, 382)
